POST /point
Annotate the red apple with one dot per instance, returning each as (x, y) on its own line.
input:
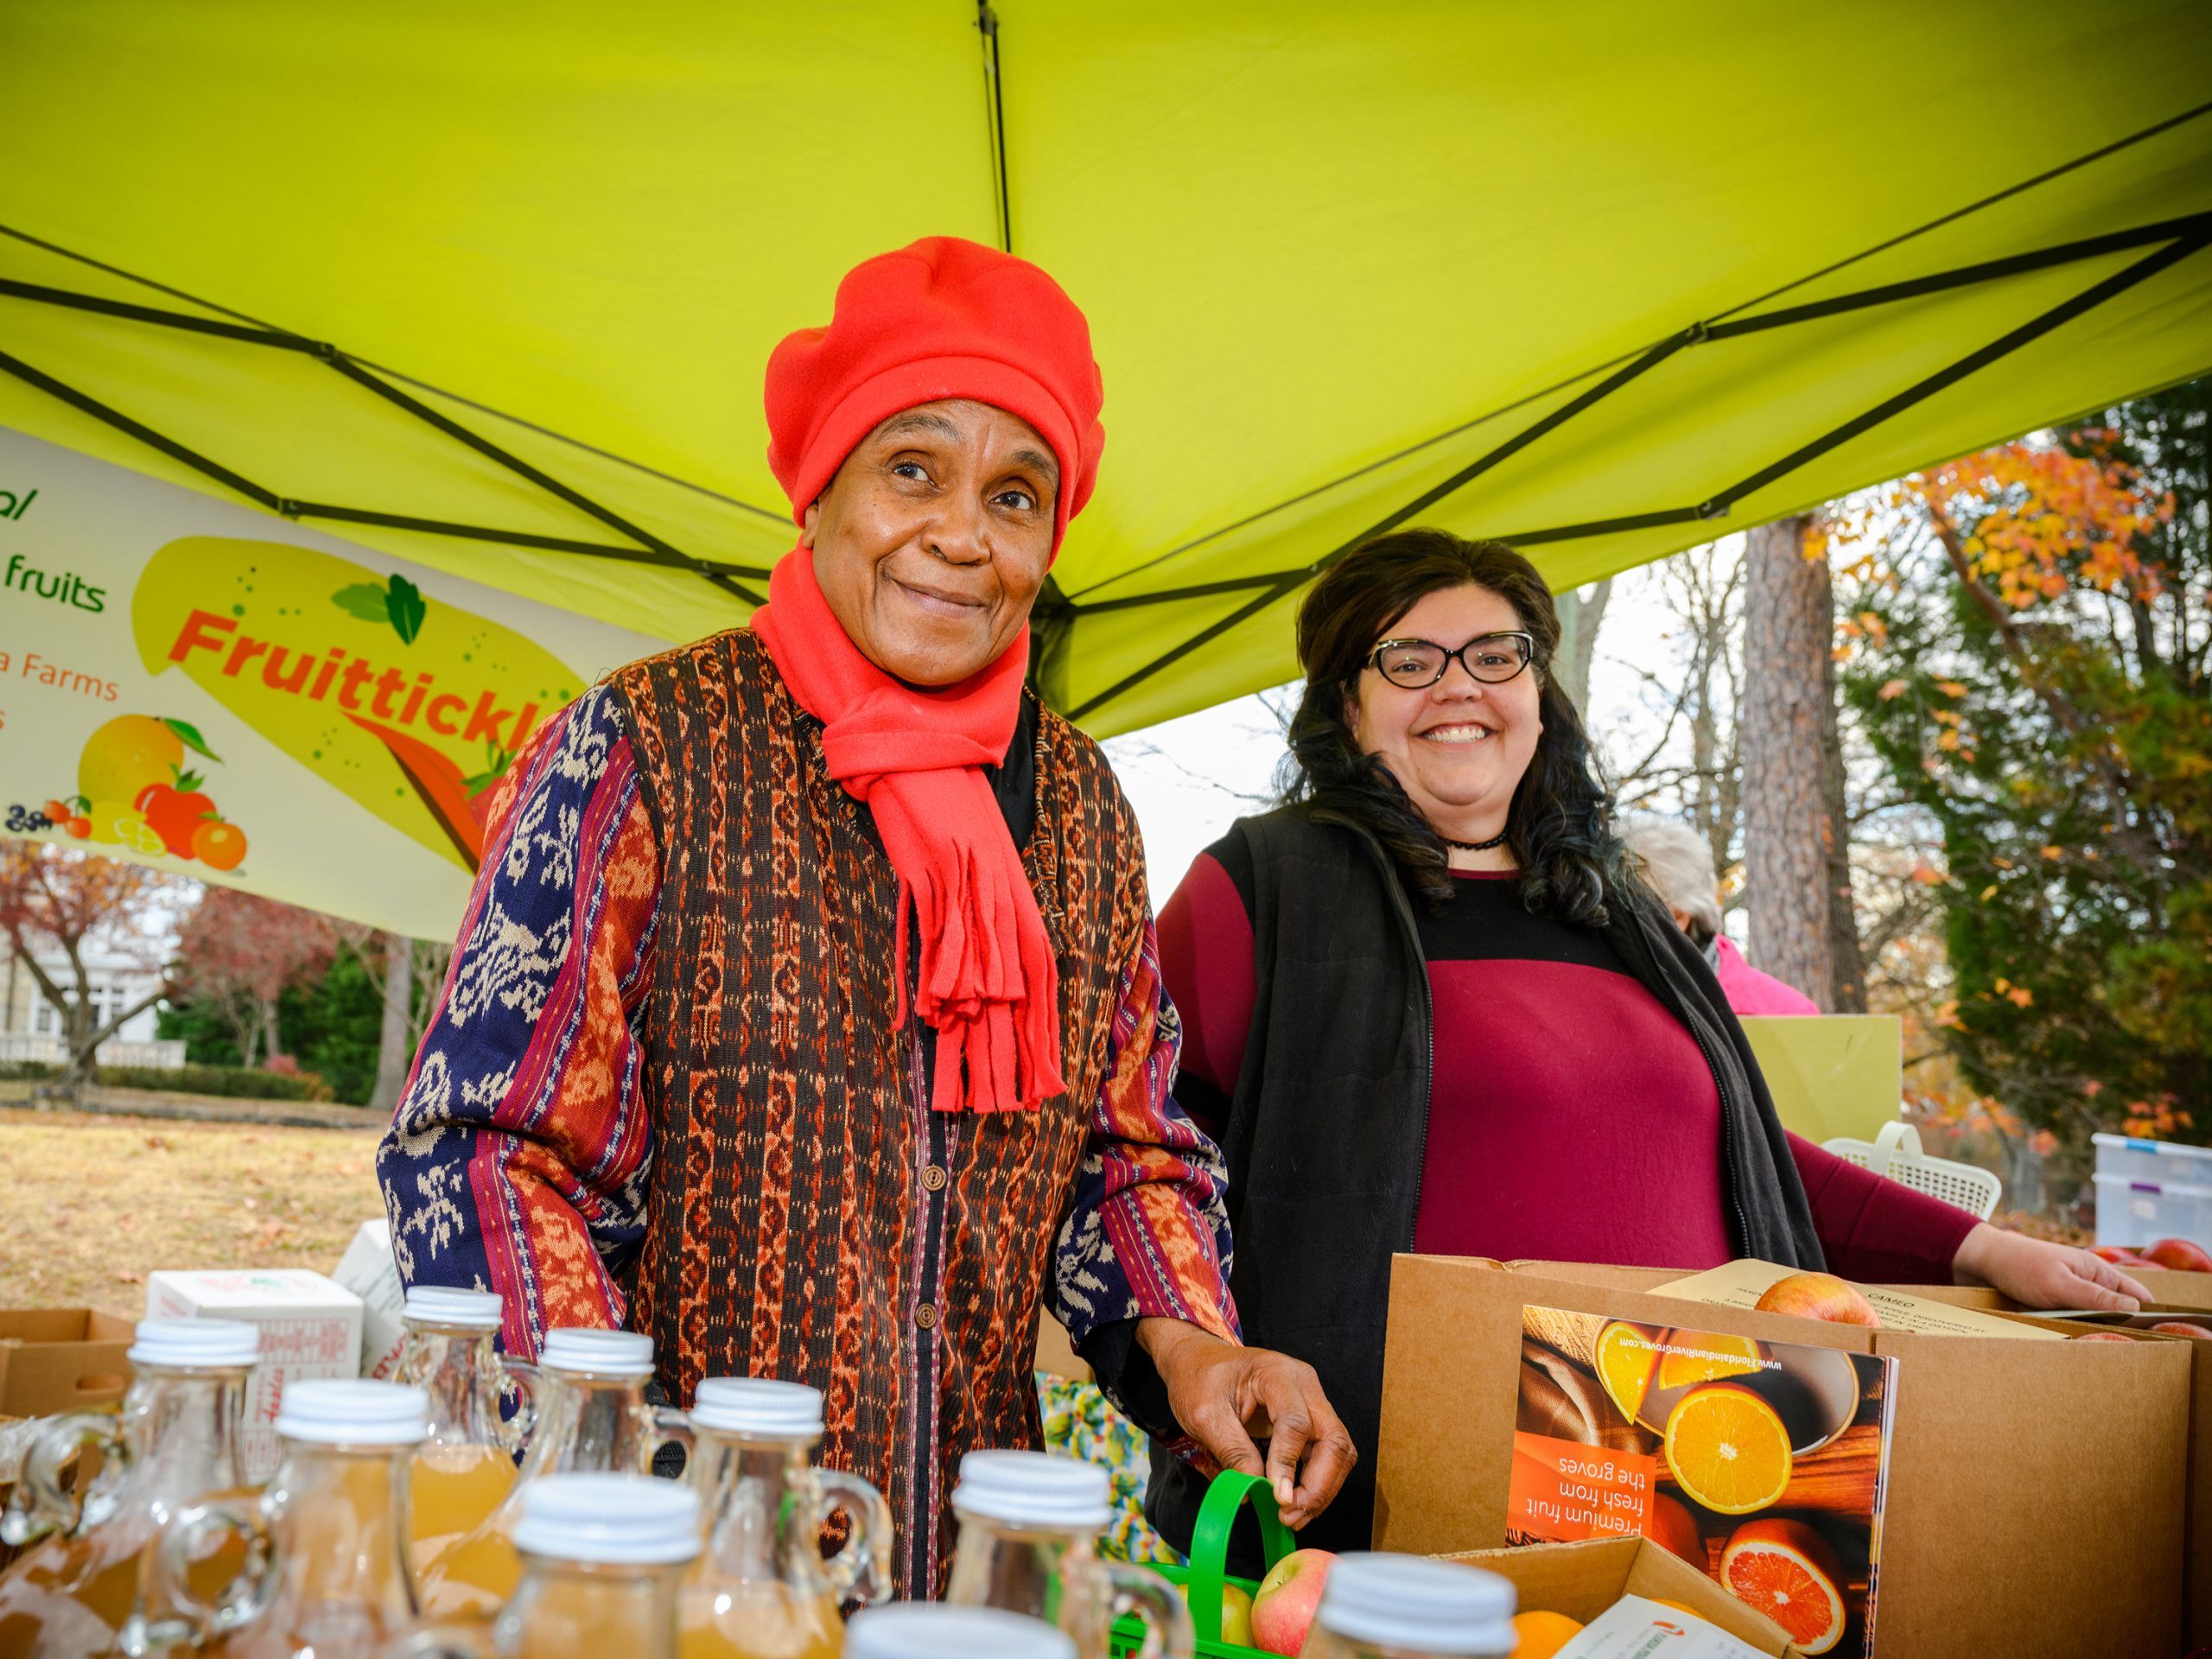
(2183, 1255)
(2183, 1328)
(1819, 1296)
(1283, 1609)
(2100, 1335)
(2118, 1256)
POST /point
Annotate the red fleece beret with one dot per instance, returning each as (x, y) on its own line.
(943, 318)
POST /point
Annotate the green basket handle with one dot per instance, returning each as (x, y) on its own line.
(1230, 1493)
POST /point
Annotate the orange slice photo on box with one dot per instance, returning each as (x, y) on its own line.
(1624, 1360)
(1787, 1571)
(1727, 1448)
(1708, 1356)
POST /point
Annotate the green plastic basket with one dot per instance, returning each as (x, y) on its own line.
(1209, 1569)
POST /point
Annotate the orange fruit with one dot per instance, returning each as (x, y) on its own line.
(1670, 1523)
(1625, 1357)
(1679, 1606)
(1727, 1448)
(1540, 1635)
(1711, 1357)
(1787, 1571)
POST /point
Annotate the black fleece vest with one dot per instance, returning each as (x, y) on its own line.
(1328, 1127)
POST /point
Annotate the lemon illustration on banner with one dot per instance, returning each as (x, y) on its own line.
(412, 707)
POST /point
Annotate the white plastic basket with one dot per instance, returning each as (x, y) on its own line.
(1895, 1152)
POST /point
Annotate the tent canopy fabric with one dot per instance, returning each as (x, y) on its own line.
(490, 286)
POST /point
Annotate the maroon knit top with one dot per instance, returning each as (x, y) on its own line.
(1573, 1118)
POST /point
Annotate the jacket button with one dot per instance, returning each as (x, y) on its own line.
(926, 1315)
(933, 1178)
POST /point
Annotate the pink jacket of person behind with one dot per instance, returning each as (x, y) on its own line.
(1750, 991)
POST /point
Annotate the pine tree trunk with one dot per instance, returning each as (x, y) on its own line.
(1788, 631)
(396, 1039)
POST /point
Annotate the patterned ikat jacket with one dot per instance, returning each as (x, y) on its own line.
(665, 1088)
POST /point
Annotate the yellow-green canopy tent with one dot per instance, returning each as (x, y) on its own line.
(490, 286)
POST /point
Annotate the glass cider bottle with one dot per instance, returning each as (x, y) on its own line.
(593, 1418)
(1029, 1530)
(326, 1566)
(81, 1590)
(921, 1630)
(465, 1466)
(601, 1558)
(1381, 1606)
(761, 1589)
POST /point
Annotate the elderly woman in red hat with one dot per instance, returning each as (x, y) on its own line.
(807, 1014)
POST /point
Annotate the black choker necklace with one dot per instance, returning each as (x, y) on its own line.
(1497, 840)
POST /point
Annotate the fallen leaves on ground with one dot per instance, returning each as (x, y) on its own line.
(94, 1204)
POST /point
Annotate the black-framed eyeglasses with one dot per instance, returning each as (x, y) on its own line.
(1493, 658)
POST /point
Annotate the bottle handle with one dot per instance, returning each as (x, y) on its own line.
(672, 1428)
(1158, 1603)
(248, 1594)
(41, 1504)
(862, 1570)
(446, 1641)
(519, 1377)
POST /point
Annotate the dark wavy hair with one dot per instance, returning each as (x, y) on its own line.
(1560, 826)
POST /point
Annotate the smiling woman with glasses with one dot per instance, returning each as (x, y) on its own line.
(1431, 1004)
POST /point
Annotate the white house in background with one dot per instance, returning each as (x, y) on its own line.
(30, 1026)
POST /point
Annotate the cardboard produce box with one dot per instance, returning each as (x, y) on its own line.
(1582, 1579)
(371, 1271)
(58, 1359)
(2036, 1491)
(310, 1327)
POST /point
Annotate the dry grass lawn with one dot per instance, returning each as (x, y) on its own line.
(90, 1204)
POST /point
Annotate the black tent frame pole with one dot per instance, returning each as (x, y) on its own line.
(2182, 237)
(649, 549)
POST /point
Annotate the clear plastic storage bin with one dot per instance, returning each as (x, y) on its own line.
(2163, 1161)
(2132, 1214)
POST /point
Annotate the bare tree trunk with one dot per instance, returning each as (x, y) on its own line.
(271, 1045)
(396, 1039)
(1788, 631)
(1849, 967)
(1578, 639)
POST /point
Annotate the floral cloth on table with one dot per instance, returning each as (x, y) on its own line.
(1080, 1423)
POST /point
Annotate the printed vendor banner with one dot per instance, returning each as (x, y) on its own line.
(207, 689)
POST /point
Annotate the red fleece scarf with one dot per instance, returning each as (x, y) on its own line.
(987, 981)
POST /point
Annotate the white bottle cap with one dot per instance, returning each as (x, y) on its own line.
(759, 1406)
(1409, 1601)
(353, 1411)
(621, 1520)
(1029, 1488)
(195, 1342)
(436, 1305)
(607, 1353)
(916, 1630)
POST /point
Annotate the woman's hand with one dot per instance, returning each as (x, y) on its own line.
(1228, 1398)
(2037, 1273)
